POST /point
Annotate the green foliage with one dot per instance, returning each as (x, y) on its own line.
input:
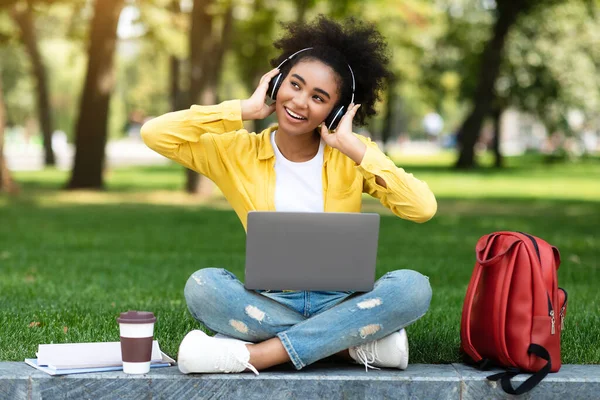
(553, 62)
(16, 81)
(550, 67)
(259, 23)
(66, 77)
(451, 68)
(165, 26)
(19, 95)
(63, 58)
(7, 29)
(61, 20)
(142, 81)
(413, 29)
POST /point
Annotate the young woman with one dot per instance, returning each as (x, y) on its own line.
(302, 164)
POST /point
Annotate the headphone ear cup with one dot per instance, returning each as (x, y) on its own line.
(334, 117)
(274, 85)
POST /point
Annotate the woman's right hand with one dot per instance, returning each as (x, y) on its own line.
(255, 107)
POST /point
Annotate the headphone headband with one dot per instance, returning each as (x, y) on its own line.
(353, 84)
(292, 56)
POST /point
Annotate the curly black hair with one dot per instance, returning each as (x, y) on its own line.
(355, 43)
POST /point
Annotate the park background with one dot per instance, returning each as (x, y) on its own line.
(495, 104)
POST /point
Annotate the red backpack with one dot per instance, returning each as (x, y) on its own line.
(514, 311)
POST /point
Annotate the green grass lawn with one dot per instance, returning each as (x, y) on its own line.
(71, 261)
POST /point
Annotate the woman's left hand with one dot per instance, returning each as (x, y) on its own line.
(343, 139)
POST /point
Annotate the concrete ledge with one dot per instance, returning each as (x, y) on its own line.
(321, 381)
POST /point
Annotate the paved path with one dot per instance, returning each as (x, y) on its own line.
(320, 381)
(127, 152)
(118, 154)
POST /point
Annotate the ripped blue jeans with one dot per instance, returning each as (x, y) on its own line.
(311, 325)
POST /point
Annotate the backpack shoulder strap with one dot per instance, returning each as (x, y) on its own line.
(482, 248)
(532, 381)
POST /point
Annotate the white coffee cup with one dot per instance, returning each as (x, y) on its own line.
(137, 333)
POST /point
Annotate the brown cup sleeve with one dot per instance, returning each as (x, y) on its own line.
(136, 349)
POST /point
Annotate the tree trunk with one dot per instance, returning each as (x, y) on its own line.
(200, 35)
(206, 53)
(201, 39)
(214, 66)
(6, 182)
(91, 130)
(175, 91)
(489, 69)
(23, 16)
(390, 107)
(497, 118)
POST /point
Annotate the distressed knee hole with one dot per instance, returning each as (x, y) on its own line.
(369, 330)
(369, 303)
(256, 313)
(198, 280)
(238, 326)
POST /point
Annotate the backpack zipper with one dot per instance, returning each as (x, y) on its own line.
(551, 313)
(562, 309)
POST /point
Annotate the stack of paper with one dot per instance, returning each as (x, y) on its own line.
(76, 358)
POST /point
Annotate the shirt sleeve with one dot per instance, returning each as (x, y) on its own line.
(189, 137)
(406, 196)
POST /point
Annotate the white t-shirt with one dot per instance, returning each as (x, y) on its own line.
(298, 185)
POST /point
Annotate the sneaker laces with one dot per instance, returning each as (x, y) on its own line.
(230, 362)
(367, 354)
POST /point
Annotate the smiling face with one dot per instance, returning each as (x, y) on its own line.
(306, 96)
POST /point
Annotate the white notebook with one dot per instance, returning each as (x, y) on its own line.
(69, 358)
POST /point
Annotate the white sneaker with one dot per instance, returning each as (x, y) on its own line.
(200, 353)
(388, 352)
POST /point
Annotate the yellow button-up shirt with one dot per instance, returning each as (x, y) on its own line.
(212, 141)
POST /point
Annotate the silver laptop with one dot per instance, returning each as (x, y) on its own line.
(311, 251)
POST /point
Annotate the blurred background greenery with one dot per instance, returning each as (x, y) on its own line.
(472, 75)
(494, 104)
